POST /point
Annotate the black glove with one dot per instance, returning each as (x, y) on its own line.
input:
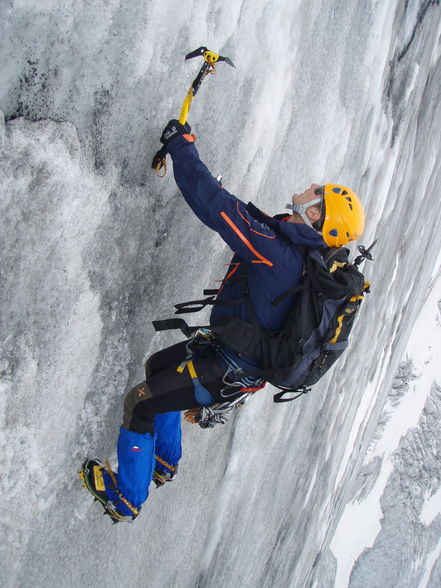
(173, 130)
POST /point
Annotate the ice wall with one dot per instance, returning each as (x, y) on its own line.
(94, 246)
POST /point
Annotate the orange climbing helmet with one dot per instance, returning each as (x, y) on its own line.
(343, 216)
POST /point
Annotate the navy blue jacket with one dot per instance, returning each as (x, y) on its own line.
(268, 245)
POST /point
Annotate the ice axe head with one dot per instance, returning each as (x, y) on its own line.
(209, 56)
(208, 67)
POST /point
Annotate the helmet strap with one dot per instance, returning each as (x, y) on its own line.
(301, 211)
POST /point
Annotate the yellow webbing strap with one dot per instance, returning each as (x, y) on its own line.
(110, 472)
(338, 329)
(164, 463)
(187, 363)
(191, 369)
(117, 492)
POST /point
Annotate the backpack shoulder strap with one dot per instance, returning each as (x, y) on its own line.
(309, 257)
(335, 254)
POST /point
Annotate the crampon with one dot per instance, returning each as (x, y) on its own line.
(160, 477)
(92, 476)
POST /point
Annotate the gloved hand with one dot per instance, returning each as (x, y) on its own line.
(173, 130)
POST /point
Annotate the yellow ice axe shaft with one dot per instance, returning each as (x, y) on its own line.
(210, 58)
(186, 106)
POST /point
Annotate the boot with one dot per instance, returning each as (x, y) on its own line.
(99, 479)
(161, 476)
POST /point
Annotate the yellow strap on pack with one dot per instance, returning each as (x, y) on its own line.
(336, 265)
(338, 329)
(355, 298)
(347, 311)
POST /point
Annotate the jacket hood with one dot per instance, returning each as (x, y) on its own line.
(296, 233)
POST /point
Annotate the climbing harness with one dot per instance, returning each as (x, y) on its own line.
(208, 414)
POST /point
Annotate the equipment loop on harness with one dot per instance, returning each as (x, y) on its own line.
(201, 394)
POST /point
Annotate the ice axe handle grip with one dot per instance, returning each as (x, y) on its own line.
(159, 159)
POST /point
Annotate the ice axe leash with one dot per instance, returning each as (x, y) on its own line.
(210, 59)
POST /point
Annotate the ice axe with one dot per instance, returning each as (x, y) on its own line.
(210, 59)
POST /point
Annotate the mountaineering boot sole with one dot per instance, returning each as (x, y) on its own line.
(92, 475)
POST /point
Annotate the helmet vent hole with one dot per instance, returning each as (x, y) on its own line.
(348, 198)
(344, 192)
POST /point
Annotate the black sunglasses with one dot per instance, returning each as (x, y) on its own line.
(318, 225)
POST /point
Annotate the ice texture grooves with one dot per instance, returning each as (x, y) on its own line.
(94, 245)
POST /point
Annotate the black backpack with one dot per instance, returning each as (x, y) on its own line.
(315, 332)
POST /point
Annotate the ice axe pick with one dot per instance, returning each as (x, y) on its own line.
(208, 67)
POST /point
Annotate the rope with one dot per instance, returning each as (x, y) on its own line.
(209, 416)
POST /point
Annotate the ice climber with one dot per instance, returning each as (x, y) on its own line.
(149, 443)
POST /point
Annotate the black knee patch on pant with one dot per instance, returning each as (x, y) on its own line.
(136, 420)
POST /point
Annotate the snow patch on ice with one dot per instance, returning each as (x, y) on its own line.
(431, 508)
(429, 564)
(361, 521)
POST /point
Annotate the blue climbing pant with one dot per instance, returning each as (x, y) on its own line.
(150, 437)
(138, 456)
